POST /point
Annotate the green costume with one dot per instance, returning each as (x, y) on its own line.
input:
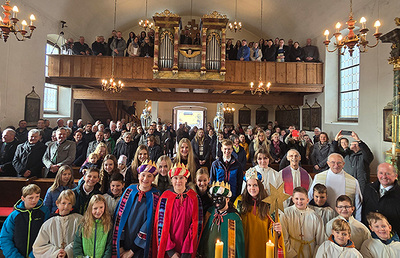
(223, 226)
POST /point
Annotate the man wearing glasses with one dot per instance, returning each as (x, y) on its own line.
(338, 182)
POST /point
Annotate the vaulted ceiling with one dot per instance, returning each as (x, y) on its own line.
(297, 19)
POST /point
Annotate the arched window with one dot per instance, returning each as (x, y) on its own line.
(51, 91)
(349, 85)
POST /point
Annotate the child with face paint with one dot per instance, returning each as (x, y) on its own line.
(258, 225)
(222, 221)
(179, 217)
(133, 219)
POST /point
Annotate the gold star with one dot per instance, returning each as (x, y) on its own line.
(277, 197)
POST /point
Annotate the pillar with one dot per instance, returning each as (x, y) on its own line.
(203, 50)
(223, 51)
(156, 48)
(176, 44)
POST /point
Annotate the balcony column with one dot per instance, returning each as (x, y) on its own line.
(176, 44)
(223, 51)
(203, 51)
(156, 48)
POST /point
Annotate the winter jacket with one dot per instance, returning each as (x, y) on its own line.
(206, 149)
(29, 157)
(21, 228)
(80, 155)
(7, 151)
(52, 196)
(319, 156)
(59, 154)
(240, 156)
(82, 200)
(124, 148)
(98, 245)
(231, 173)
(357, 164)
(55, 232)
(388, 205)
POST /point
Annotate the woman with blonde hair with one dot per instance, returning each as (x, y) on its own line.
(141, 155)
(162, 180)
(260, 141)
(186, 156)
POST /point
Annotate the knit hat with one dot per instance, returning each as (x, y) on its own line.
(148, 166)
(221, 188)
(122, 159)
(179, 170)
(252, 174)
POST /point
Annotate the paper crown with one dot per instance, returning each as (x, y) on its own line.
(252, 174)
(221, 188)
(148, 166)
(179, 170)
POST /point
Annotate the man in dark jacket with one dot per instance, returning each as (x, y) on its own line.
(22, 132)
(28, 156)
(7, 151)
(125, 147)
(154, 149)
(383, 196)
(357, 159)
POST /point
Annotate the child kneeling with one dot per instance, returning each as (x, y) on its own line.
(339, 243)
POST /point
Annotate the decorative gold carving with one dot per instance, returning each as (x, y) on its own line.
(215, 14)
(395, 62)
(397, 21)
(190, 53)
(217, 37)
(171, 37)
(166, 13)
(183, 75)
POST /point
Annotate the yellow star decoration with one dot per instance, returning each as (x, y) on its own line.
(277, 197)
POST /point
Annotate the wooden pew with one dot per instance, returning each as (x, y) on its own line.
(11, 189)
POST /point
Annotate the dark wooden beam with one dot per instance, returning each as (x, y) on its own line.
(229, 91)
(210, 91)
(271, 99)
(188, 84)
(172, 89)
(153, 89)
(191, 90)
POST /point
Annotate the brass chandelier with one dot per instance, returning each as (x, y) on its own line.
(112, 84)
(10, 25)
(235, 26)
(352, 40)
(146, 24)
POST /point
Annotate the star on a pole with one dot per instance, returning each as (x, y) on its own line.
(276, 198)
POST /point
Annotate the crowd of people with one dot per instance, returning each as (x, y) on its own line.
(143, 45)
(138, 196)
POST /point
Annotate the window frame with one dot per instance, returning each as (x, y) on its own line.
(54, 87)
(340, 92)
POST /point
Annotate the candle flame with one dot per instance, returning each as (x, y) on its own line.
(338, 25)
(32, 17)
(218, 242)
(377, 23)
(363, 20)
(326, 33)
(15, 9)
(24, 23)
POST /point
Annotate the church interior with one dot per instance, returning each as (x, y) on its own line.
(294, 86)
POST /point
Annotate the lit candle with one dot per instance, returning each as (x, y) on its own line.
(24, 24)
(32, 18)
(377, 25)
(394, 150)
(270, 249)
(15, 11)
(338, 25)
(1, 20)
(326, 33)
(339, 39)
(363, 21)
(219, 249)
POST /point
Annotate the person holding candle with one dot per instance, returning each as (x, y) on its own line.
(339, 243)
(179, 218)
(222, 221)
(258, 226)
(134, 215)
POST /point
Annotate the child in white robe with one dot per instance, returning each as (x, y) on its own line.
(339, 243)
(56, 236)
(384, 242)
(345, 208)
(319, 204)
(302, 228)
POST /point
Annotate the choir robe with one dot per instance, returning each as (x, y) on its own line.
(177, 224)
(359, 232)
(269, 175)
(374, 247)
(55, 232)
(306, 222)
(257, 232)
(133, 221)
(296, 178)
(325, 212)
(331, 249)
(212, 231)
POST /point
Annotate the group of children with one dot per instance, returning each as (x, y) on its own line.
(174, 220)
